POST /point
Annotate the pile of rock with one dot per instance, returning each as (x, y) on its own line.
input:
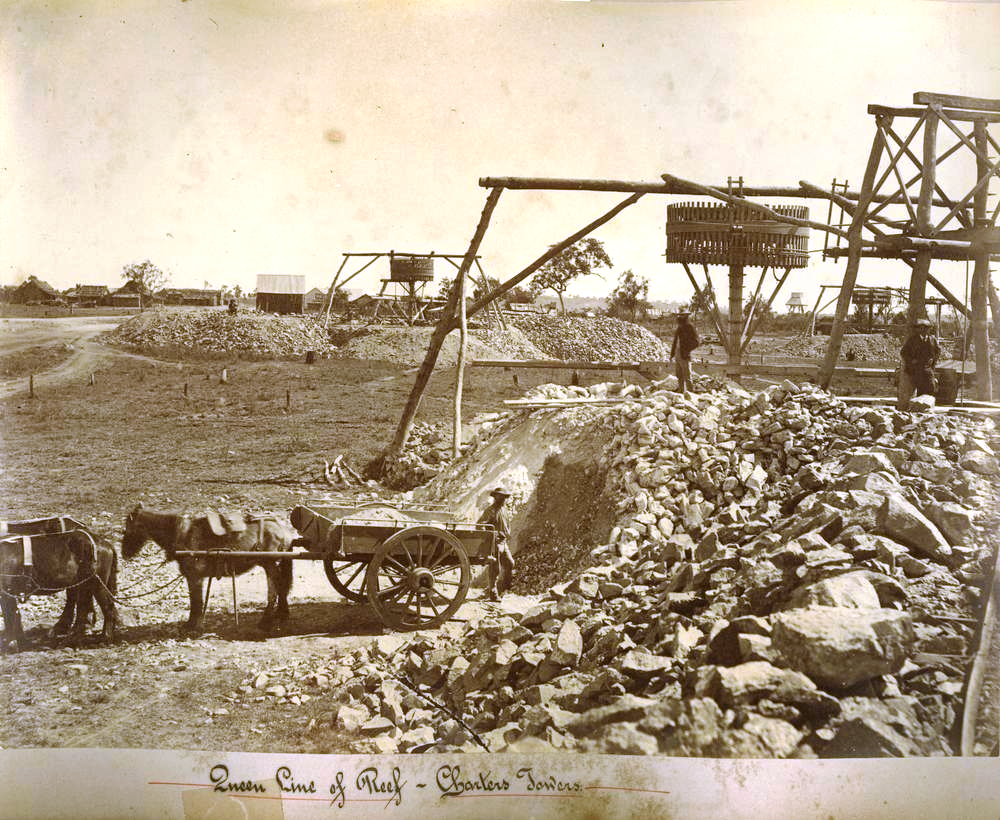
(253, 334)
(591, 339)
(790, 577)
(855, 347)
(427, 450)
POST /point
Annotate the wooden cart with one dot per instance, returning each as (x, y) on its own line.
(411, 562)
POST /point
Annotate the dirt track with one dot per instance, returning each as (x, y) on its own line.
(75, 333)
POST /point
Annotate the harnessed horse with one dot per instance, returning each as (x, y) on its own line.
(175, 533)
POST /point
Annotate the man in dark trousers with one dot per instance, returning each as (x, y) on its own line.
(501, 566)
(685, 341)
(919, 354)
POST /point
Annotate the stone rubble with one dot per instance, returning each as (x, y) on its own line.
(790, 576)
(593, 339)
(249, 333)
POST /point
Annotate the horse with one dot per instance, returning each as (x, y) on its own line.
(178, 533)
(46, 563)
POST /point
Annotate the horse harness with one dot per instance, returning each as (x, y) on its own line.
(29, 585)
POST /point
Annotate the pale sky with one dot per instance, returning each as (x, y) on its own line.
(226, 139)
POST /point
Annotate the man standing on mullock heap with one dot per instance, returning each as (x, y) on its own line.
(919, 354)
(685, 341)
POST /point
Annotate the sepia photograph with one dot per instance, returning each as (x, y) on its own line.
(576, 407)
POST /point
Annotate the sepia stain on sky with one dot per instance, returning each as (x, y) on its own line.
(226, 139)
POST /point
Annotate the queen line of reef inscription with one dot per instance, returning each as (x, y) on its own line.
(372, 783)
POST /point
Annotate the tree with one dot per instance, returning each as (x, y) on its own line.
(479, 291)
(580, 259)
(146, 275)
(630, 297)
(520, 296)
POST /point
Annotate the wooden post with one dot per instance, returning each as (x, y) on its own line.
(981, 271)
(825, 374)
(456, 438)
(735, 314)
(916, 303)
(288, 399)
(929, 172)
(31, 386)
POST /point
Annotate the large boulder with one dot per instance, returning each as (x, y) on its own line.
(838, 647)
(851, 589)
(901, 521)
(954, 520)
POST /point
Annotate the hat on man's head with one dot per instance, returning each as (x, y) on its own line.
(682, 314)
(500, 491)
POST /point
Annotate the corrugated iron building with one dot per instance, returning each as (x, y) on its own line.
(280, 293)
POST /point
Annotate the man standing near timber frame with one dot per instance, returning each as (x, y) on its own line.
(919, 354)
(685, 341)
(501, 568)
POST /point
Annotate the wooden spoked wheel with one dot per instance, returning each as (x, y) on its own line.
(418, 578)
(348, 577)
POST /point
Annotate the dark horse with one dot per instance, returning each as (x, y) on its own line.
(176, 533)
(79, 607)
(46, 563)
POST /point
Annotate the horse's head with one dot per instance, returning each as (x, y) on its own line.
(135, 534)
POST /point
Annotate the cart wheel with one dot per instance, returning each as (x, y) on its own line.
(418, 578)
(348, 577)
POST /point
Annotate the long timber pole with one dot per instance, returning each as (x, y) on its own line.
(825, 374)
(981, 272)
(441, 330)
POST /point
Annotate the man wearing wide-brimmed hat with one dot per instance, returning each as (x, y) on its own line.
(501, 569)
(685, 341)
(919, 354)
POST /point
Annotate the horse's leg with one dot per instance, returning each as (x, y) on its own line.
(62, 626)
(267, 619)
(13, 633)
(109, 614)
(194, 620)
(284, 587)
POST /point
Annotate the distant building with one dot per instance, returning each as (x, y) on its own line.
(88, 295)
(192, 297)
(315, 299)
(34, 291)
(279, 293)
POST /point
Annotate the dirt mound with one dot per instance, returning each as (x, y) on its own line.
(599, 339)
(408, 345)
(259, 335)
(855, 347)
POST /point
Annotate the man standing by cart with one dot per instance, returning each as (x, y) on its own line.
(685, 341)
(502, 563)
(919, 354)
